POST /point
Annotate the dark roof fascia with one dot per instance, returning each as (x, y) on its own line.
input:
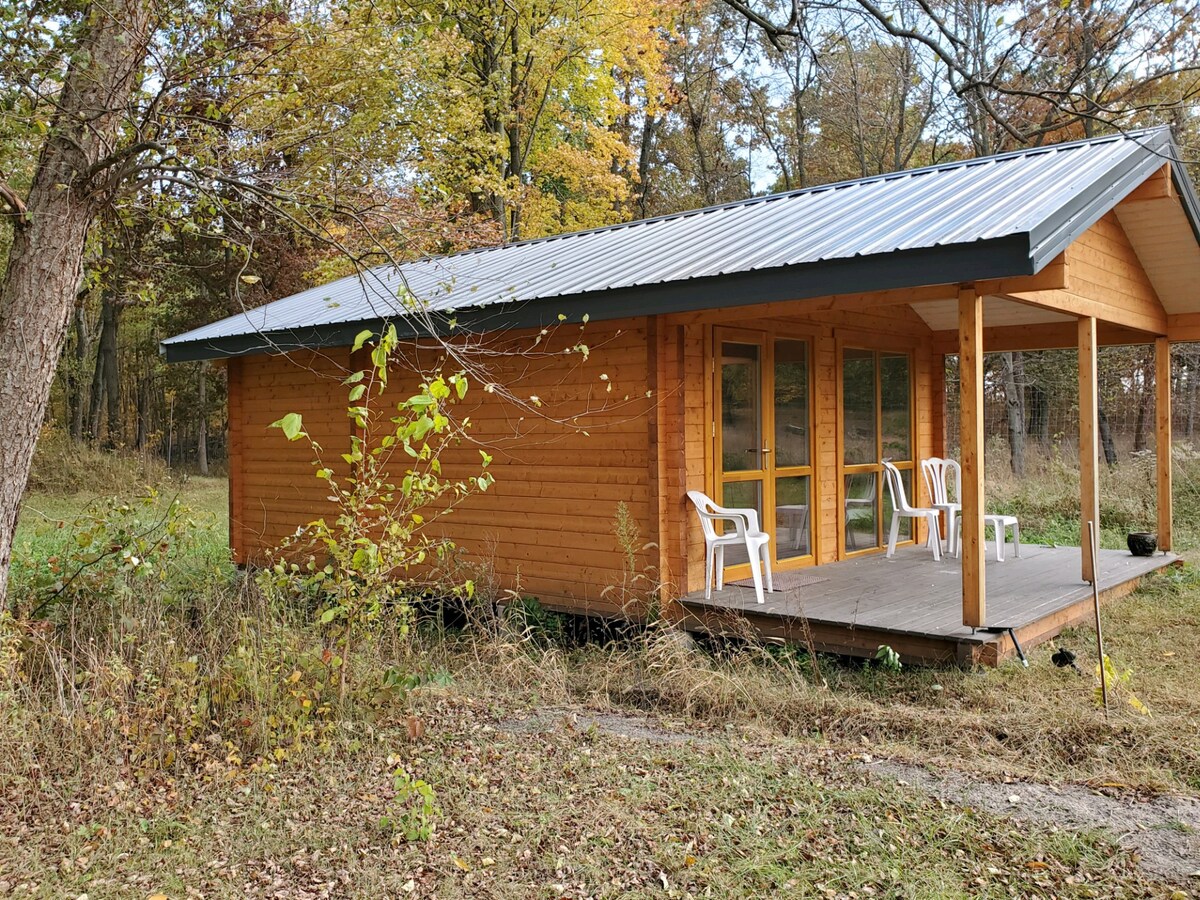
(953, 264)
(1187, 191)
(1082, 211)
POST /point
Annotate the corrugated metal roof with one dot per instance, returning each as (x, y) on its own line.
(1049, 194)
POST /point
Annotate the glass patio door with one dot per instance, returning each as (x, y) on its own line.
(876, 413)
(763, 438)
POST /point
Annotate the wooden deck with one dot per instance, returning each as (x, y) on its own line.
(913, 604)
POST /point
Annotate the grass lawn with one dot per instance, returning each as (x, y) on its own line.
(644, 768)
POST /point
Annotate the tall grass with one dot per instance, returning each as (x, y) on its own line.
(62, 466)
(194, 665)
(1046, 498)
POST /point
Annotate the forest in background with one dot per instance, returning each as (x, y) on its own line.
(380, 132)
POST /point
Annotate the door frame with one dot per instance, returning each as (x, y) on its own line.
(765, 338)
(876, 344)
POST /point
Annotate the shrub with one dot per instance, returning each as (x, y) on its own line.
(359, 564)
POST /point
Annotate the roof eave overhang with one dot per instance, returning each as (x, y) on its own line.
(1003, 257)
(1086, 208)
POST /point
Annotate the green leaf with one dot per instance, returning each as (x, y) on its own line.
(292, 426)
(361, 338)
(357, 391)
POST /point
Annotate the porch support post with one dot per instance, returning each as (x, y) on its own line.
(1089, 430)
(970, 367)
(1162, 437)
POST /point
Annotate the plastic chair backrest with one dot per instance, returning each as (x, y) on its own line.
(704, 504)
(953, 467)
(934, 472)
(936, 469)
(896, 488)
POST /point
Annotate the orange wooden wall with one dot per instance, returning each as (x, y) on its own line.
(1102, 265)
(562, 463)
(272, 488)
(630, 423)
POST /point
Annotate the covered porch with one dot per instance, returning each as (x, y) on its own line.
(914, 605)
(790, 406)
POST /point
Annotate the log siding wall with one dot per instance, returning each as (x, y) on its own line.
(631, 423)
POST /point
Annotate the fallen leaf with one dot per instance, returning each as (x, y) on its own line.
(416, 728)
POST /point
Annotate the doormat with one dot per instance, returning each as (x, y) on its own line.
(786, 581)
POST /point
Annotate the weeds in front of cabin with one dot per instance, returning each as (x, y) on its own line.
(413, 811)
(132, 642)
(888, 659)
(639, 595)
(749, 805)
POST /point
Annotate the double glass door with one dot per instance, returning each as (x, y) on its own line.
(763, 437)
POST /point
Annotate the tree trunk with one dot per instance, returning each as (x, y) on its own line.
(1145, 403)
(202, 437)
(82, 350)
(1014, 403)
(1192, 381)
(1106, 441)
(45, 261)
(143, 413)
(106, 383)
(643, 189)
(1038, 414)
(1139, 424)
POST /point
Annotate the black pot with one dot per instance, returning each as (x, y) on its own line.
(1142, 543)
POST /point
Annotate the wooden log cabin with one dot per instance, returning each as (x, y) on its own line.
(769, 352)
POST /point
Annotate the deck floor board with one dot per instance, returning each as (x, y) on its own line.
(913, 596)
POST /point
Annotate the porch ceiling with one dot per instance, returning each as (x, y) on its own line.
(1161, 235)
(942, 315)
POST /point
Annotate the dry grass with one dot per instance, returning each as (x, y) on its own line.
(160, 741)
(61, 466)
(1039, 723)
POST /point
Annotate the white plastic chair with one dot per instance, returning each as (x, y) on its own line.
(901, 510)
(937, 471)
(999, 524)
(745, 531)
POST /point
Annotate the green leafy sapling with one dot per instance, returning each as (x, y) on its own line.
(364, 561)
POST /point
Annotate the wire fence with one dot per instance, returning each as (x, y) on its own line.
(1031, 404)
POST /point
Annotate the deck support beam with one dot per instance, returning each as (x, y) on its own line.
(1162, 438)
(1089, 431)
(970, 366)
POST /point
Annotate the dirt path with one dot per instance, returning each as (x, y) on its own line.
(1164, 832)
